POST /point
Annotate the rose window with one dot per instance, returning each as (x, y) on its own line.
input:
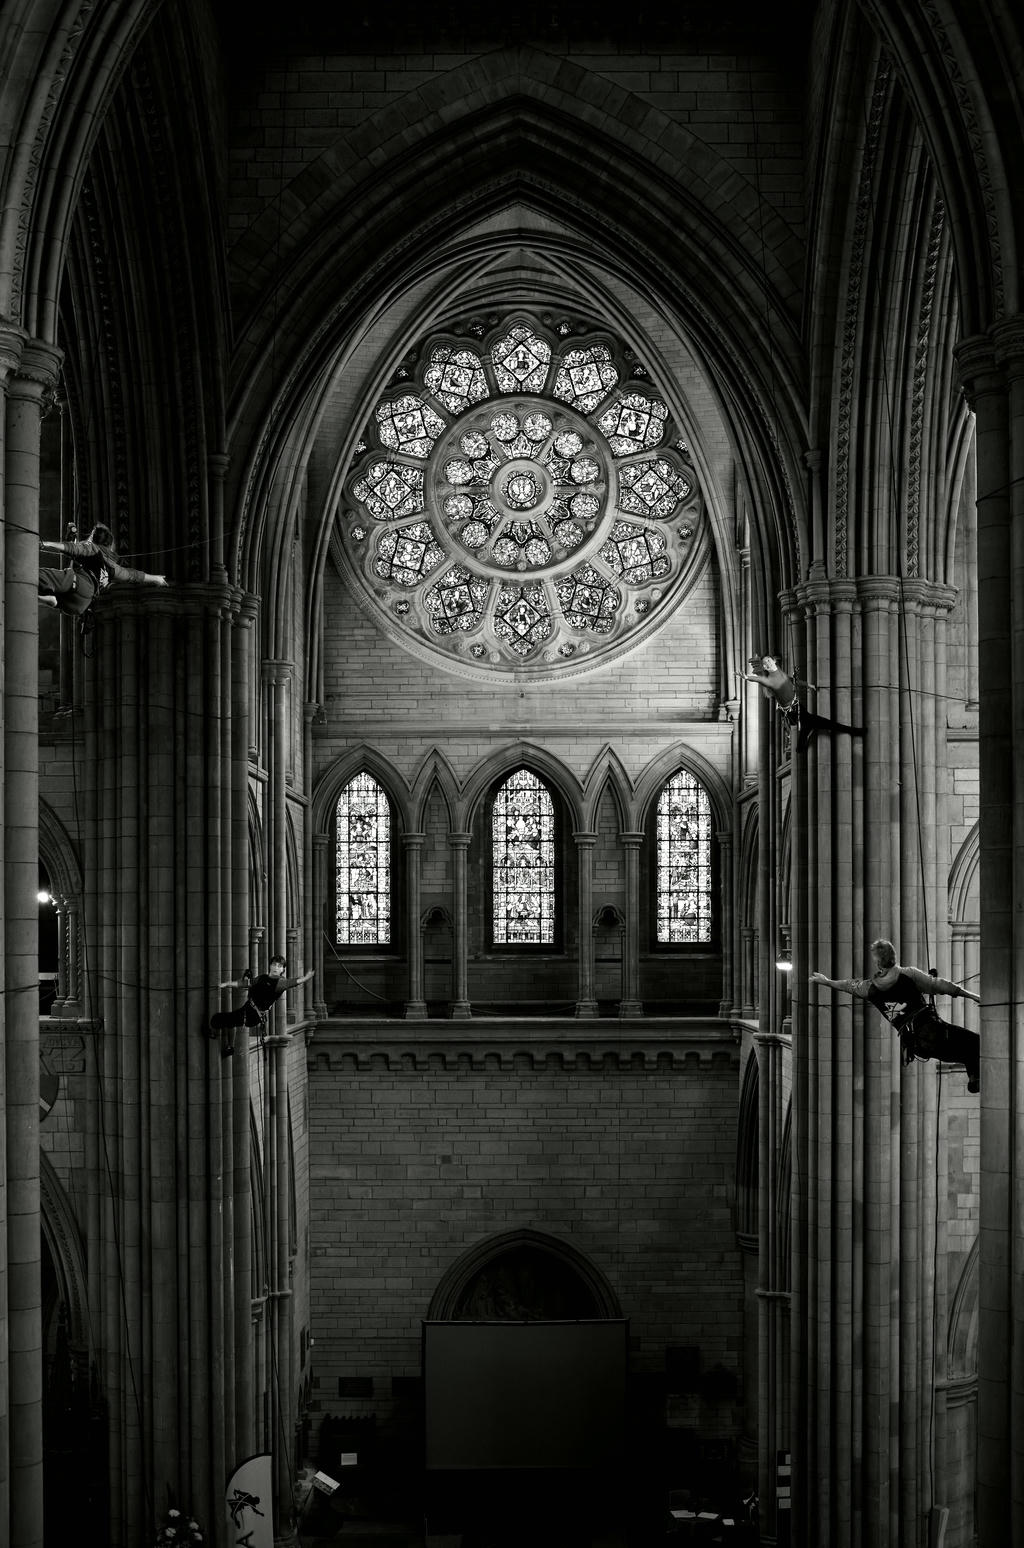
(515, 503)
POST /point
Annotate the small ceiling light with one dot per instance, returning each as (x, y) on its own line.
(44, 897)
(784, 961)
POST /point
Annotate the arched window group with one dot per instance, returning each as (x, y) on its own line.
(523, 864)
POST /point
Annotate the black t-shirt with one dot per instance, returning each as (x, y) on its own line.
(899, 1002)
(264, 990)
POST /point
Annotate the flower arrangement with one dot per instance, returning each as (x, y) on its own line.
(179, 1528)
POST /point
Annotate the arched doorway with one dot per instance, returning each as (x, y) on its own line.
(524, 1366)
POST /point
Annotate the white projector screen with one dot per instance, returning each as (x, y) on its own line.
(524, 1394)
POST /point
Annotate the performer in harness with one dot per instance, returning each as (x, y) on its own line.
(778, 685)
(263, 990)
(899, 994)
(93, 566)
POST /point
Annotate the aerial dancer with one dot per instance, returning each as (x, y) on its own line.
(782, 688)
(899, 993)
(262, 991)
(93, 566)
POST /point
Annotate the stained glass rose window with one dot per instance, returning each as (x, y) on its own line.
(515, 503)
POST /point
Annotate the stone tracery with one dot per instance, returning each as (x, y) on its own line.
(520, 459)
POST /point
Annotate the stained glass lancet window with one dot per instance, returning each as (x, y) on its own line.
(523, 862)
(363, 864)
(684, 882)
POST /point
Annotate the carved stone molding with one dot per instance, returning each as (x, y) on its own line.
(922, 356)
(850, 348)
(62, 1045)
(508, 1047)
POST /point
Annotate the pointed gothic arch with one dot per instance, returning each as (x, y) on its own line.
(567, 1265)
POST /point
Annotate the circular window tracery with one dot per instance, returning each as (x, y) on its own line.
(513, 506)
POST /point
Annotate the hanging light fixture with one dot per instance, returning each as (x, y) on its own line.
(783, 960)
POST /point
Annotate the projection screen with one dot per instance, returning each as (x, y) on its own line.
(524, 1394)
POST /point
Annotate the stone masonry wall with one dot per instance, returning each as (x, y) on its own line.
(629, 1158)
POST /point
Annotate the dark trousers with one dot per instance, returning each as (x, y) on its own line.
(807, 723)
(73, 589)
(935, 1039)
(245, 1016)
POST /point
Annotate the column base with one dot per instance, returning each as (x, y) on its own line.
(586, 1008)
(631, 1008)
(415, 1010)
(461, 1010)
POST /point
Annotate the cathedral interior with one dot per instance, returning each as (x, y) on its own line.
(511, 566)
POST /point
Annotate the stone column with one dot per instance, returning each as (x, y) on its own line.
(164, 817)
(459, 843)
(69, 989)
(631, 1004)
(282, 1398)
(747, 693)
(992, 374)
(748, 956)
(276, 677)
(772, 1274)
(323, 919)
(586, 1003)
(867, 820)
(412, 844)
(27, 373)
(312, 916)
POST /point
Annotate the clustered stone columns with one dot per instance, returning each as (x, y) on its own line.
(773, 1295)
(459, 844)
(162, 759)
(865, 846)
(991, 370)
(279, 1327)
(412, 845)
(28, 371)
(631, 1004)
(321, 912)
(586, 1002)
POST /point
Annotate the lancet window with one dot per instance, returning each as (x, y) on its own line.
(684, 873)
(523, 862)
(363, 840)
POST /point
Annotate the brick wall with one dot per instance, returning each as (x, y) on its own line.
(671, 679)
(630, 1160)
(746, 109)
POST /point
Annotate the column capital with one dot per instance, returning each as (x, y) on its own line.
(180, 598)
(584, 839)
(12, 344)
(218, 463)
(38, 370)
(878, 593)
(886, 592)
(276, 672)
(1008, 342)
(459, 840)
(977, 369)
(412, 841)
(927, 595)
(321, 840)
(813, 458)
(823, 595)
(632, 840)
